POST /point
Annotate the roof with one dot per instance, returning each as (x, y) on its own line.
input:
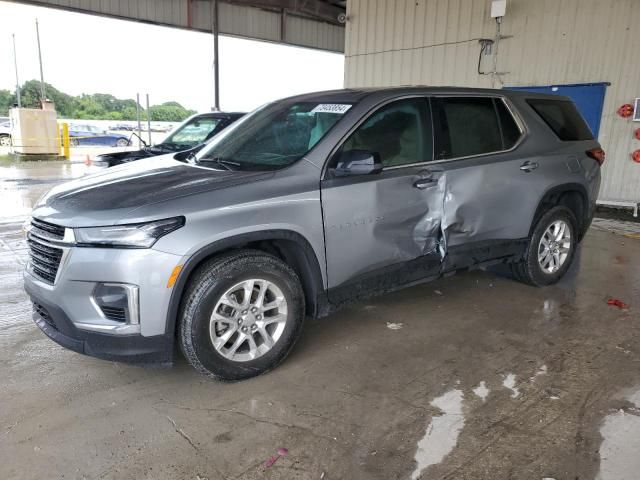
(219, 114)
(353, 95)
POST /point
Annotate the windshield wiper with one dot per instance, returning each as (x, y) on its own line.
(226, 164)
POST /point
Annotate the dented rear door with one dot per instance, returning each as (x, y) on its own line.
(492, 185)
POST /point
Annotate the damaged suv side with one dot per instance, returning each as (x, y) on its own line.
(303, 205)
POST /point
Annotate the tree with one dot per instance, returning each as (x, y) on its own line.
(7, 99)
(169, 112)
(95, 106)
(30, 96)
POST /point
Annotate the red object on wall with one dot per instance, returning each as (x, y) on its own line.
(626, 110)
(636, 156)
(636, 133)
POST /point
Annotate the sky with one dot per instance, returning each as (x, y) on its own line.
(90, 54)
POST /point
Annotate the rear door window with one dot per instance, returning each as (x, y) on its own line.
(466, 126)
(563, 118)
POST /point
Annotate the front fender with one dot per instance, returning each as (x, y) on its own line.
(307, 261)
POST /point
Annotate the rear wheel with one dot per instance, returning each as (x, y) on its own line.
(5, 140)
(74, 142)
(241, 315)
(551, 249)
(122, 142)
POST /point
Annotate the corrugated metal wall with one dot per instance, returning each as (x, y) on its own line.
(236, 20)
(435, 42)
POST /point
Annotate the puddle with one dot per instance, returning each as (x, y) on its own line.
(619, 459)
(442, 432)
(481, 391)
(510, 383)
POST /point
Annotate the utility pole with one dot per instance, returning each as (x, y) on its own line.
(216, 63)
(15, 64)
(42, 92)
(148, 120)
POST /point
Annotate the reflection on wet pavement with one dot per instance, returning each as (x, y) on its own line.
(481, 391)
(442, 433)
(13, 254)
(23, 183)
(486, 379)
(510, 383)
(619, 459)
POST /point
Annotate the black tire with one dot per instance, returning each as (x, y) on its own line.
(74, 142)
(529, 270)
(208, 283)
(5, 140)
(122, 142)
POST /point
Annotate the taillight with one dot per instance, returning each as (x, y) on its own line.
(597, 154)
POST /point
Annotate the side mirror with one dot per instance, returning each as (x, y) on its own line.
(358, 162)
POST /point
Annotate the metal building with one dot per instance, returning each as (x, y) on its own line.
(582, 48)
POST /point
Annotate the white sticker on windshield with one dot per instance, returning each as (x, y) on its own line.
(331, 108)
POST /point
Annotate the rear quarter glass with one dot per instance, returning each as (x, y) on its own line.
(563, 118)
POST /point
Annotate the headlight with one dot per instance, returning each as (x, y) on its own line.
(136, 235)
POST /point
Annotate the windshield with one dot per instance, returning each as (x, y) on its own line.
(273, 136)
(193, 132)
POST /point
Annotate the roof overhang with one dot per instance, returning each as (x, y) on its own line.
(317, 24)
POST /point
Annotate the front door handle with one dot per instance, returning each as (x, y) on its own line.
(528, 166)
(423, 183)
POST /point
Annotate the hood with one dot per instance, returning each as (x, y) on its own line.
(116, 158)
(119, 156)
(106, 197)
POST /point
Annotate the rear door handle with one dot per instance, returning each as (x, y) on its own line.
(528, 166)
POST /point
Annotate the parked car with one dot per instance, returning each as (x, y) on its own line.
(301, 206)
(5, 134)
(163, 127)
(189, 137)
(82, 134)
(123, 126)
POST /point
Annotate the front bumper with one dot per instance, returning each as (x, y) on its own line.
(55, 324)
(68, 314)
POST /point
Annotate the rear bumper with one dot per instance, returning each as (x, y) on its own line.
(55, 324)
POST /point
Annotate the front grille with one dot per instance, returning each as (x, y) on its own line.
(46, 230)
(114, 313)
(45, 259)
(43, 314)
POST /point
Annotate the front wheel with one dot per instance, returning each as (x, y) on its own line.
(122, 142)
(5, 140)
(241, 315)
(551, 249)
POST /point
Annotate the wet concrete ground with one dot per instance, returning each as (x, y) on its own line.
(470, 377)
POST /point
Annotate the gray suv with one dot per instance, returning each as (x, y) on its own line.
(305, 204)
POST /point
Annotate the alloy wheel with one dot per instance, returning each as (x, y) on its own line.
(554, 246)
(248, 320)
